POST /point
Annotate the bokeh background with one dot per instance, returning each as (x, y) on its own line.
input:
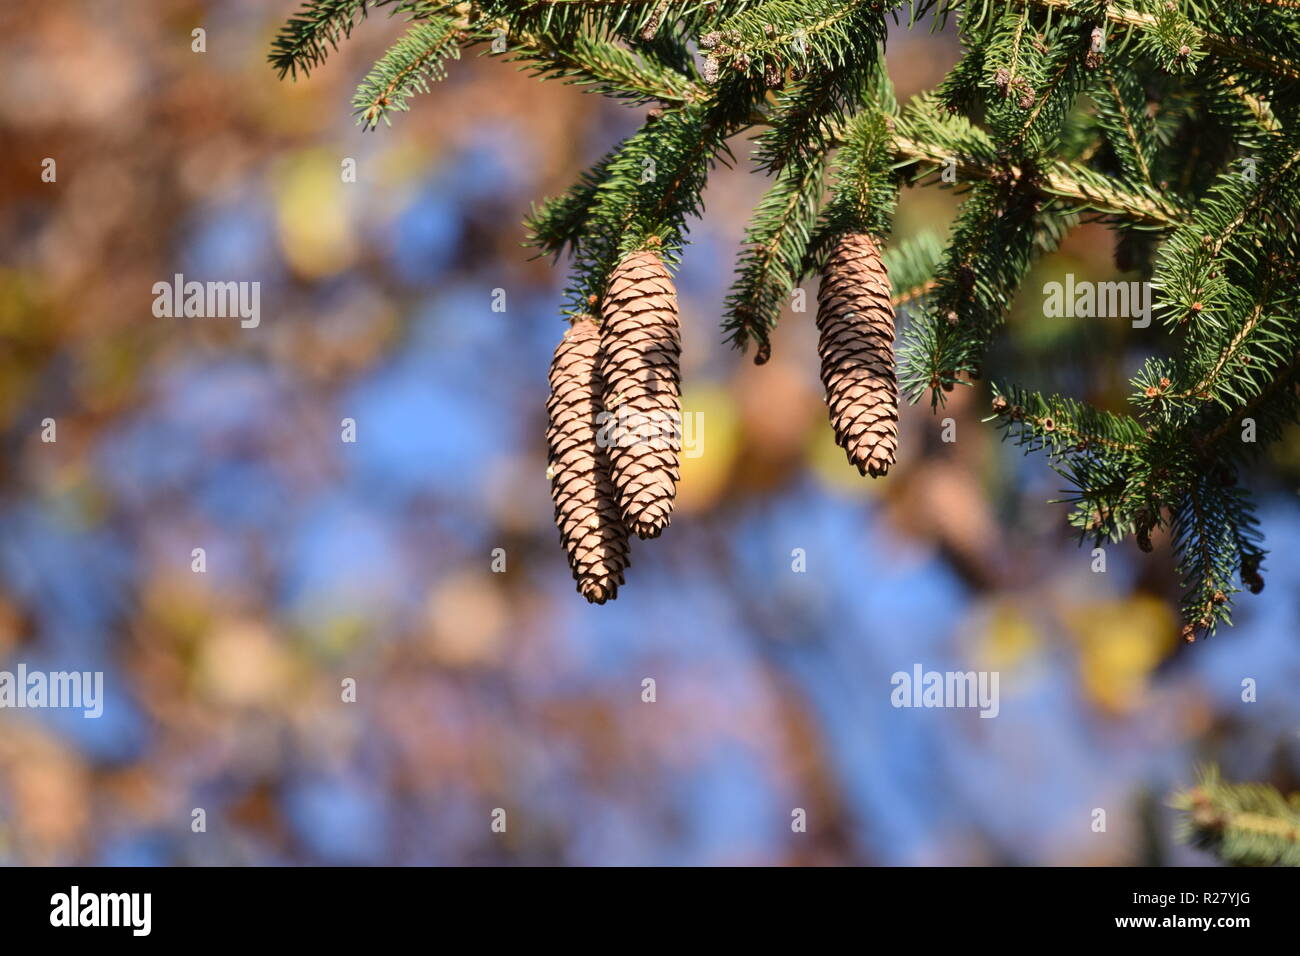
(372, 560)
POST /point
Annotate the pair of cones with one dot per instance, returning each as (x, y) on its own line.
(614, 432)
(614, 436)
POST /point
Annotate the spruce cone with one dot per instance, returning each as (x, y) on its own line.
(856, 321)
(585, 508)
(639, 338)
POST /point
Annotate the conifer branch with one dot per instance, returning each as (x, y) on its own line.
(1175, 124)
(605, 68)
(1134, 144)
(1062, 426)
(1205, 579)
(414, 62)
(1282, 381)
(911, 265)
(1259, 108)
(1226, 47)
(306, 39)
(559, 221)
(775, 245)
(783, 34)
(1070, 181)
(1241, 824)
(1255, 201)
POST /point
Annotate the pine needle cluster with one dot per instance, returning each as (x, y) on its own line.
(1244, 824)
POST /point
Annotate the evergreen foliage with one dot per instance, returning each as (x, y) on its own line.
(1247, 824)
(1174, 122)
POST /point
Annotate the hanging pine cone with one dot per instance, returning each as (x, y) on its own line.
(586, 511)
(856, 321)
(641, 345)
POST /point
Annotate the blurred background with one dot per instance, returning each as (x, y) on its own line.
(372, 560)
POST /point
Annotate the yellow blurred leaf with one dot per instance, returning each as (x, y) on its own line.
(829, 462)
(1007, 636)
(710, 436)
(1120, 643)
(312, 214)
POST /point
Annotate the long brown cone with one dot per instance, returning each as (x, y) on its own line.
(856, 321)
(586, 511)
(642, 346)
